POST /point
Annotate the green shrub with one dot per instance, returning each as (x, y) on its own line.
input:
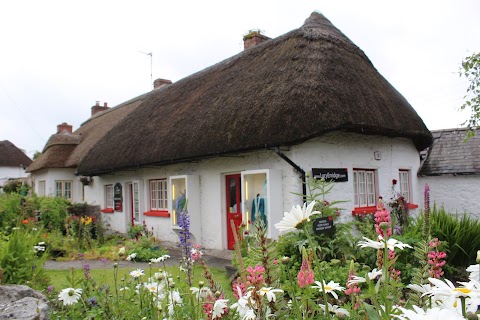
(462, 234)
(53, 212)
(20, 262)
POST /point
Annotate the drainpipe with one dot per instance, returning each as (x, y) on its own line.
(299, 170)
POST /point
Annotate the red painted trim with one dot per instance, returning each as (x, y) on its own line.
(412, 206)
(363, 210)
(160, 213)
(107, 210)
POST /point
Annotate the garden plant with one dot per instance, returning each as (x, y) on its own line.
(365, 269)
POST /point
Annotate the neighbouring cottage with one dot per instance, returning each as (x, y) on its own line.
(53, 172)
(239, 137)
(452, 170)
(13, 162)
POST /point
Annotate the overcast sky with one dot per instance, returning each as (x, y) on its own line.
(57, 58)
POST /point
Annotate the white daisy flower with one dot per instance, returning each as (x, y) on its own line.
(391, 244)
(270, 293)
(163, 258)
(474, 270)
(372, 275)
(137, 273)
(447, 289)
(131, 256)
(434, 313)
(219, 308)
(155, 260)
(339, 312)
(330, 287)
(420, 288)
(174, 299)
(201, 293)
(293, 219)
(69, 296)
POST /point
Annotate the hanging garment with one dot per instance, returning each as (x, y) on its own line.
(258, 208)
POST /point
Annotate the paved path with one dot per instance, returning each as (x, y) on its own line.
(218, 259)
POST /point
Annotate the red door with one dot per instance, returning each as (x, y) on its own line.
(234, 207)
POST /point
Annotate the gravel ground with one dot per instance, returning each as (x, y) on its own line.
(213, 258)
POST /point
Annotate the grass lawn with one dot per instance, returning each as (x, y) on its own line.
(58, 278)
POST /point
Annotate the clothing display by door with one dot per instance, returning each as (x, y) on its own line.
(258, 209)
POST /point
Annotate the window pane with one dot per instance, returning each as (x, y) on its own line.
(370, 189)
(355, 189)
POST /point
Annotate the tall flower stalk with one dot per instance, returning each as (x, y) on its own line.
(186, 244)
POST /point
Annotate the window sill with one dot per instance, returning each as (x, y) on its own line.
(363, 211)
(412, 206)
(107, 210)
(159, 213)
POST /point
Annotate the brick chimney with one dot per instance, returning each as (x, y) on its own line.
(97, 108)
(253, 38)
(64, 128)
(159, 83)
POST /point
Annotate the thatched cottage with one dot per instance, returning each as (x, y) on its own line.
(13, 162)
(240, 136)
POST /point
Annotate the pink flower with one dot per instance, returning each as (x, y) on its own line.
(306, 276)
(255, 275)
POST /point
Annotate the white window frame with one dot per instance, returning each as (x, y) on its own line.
(158, 194)
(364, 188)
(404, 184)
(109, 196)
(42, 188)
(63, 189)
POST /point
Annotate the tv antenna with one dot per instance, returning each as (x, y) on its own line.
(151, 65)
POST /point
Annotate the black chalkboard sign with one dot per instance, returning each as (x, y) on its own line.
(332, 174)
(323, 225)
(117, 197)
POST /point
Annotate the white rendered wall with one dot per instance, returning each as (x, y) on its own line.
(457, 194)
(52, 175)
(335, 150)
(7, 173)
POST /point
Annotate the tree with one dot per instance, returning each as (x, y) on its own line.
(471, 70)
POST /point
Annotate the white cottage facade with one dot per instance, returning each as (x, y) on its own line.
(210, 185)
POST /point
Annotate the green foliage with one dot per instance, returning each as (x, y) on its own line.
(9, 210)
(146, 248)
(53, 212)
(460, 232)
(471, 71)
(136, 231)
(21, 264)
(15, 186)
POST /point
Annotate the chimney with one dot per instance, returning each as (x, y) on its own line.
(64, 128)
(253, 38)
(159, 83)
(97, 108)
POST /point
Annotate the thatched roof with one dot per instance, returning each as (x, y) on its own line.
(65, 150)
(284, 91)
(451, 154)
(11, 156)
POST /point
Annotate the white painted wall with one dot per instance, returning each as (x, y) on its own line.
(7, 173)
(52, 175)
(334, 150)
(457, 194)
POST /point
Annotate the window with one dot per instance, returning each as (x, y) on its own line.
(158, 195)
(364, 188)
(404, 184)
(63, 189)
(41, 188)
(109, 196)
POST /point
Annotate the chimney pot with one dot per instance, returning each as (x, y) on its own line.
(159, 83)
(64, 128)
(253, 38)
(97, 108)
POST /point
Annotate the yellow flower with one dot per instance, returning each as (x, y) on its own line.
(86, 220)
